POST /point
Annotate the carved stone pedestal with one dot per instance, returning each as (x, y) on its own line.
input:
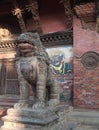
(28, 119)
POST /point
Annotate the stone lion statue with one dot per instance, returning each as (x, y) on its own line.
(33, 69)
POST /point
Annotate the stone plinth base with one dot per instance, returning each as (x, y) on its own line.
(28, 119)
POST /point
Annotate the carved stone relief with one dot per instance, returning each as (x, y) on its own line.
(90, 60)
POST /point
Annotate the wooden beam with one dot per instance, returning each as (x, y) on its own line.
(18, 12)
(96, 7)
(33, 7)
(97, 14)
(68, 14)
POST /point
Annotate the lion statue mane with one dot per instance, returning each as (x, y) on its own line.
(33, 68)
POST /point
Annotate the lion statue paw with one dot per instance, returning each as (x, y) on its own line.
(38, 105)
(21, 104)
(53, 103)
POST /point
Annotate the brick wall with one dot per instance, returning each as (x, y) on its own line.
(86, 82)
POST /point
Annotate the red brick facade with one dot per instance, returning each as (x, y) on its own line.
(86, 82)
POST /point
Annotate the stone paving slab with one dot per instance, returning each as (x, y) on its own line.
(90, 118)
(70, 125)
(84, 129)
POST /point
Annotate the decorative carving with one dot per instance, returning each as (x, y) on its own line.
(89, 15)
(58, 38)
(68, 14)
(86, 12)
(18, 13)
(5, 34)
(97, 15)
(33, 70)
(97, 24)
(52, 39)
(33, 7)
(90, 60)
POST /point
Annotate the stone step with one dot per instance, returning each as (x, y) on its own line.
(90, 118)
(3, 128)
(71, 125)
(84, 129)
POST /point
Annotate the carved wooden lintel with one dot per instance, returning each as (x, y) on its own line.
(33, 7)
(48, 40)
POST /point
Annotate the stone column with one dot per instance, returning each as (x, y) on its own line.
(33, 7)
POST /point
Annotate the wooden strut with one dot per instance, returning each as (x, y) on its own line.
(97, 15)
(68, 14)
(33, 7)
(18, 12)
(97, 24)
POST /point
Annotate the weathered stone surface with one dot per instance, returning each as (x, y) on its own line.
(33, 68)
(29, 119)
(2, 112)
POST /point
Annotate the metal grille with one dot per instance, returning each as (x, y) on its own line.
(12, 87)
(8, 78)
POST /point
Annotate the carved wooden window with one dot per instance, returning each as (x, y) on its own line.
(8, 78)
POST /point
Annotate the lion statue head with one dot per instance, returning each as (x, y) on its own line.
(29, 44)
